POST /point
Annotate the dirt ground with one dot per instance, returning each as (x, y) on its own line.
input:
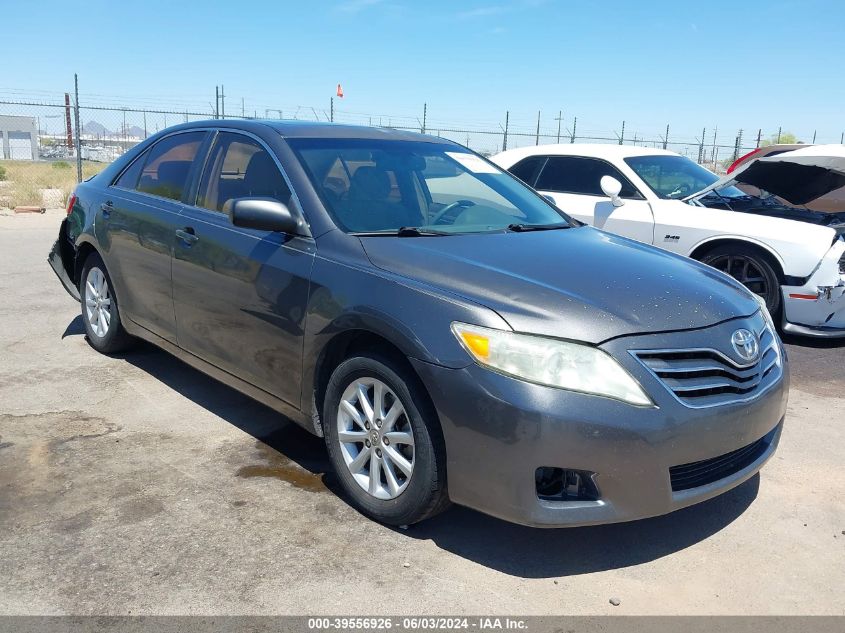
(137, 485)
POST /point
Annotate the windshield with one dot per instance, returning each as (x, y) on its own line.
(380, 186)
(673, 177)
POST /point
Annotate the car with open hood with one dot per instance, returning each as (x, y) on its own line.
(450, 333)
(792, 257)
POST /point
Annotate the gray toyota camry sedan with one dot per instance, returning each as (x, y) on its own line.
(451, 334)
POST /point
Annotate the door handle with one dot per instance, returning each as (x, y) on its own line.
(187, 235)
(107, 207)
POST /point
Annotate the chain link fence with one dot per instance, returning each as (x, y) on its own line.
(47, 145)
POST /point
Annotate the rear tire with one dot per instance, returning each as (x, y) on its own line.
(100, 312)
(751, 268)
(384, 442)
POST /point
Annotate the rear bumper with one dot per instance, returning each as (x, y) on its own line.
(61, 261)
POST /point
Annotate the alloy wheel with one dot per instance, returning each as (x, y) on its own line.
(98, 302)
(376, 438)
(746, 271)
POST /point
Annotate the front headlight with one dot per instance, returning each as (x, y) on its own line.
(765, 312)
(550, 362)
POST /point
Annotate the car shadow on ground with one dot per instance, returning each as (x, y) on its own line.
(509, 548)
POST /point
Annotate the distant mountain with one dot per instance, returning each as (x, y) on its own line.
(95, 129)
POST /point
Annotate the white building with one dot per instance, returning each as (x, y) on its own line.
(18, 137)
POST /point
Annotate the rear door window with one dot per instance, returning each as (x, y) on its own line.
(526, 169)
(168, 165)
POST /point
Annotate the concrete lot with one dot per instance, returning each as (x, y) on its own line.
(138, 485)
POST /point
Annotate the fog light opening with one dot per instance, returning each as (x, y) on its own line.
(562, 484)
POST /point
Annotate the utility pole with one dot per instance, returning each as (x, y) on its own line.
(331, 109)
(842, 138)
(222, 103)
(537, 137)
(559, 119)
(78, 130)
(759, 136)
(666, 138)
(701, 146)
(814, 137)
(425, 114)
(505, 138)
(737, 144)
(780, 129)
(622, 136)
(574, 125)
(216, 102)
(713, 153)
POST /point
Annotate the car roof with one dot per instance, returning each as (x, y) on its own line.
(593, 150)
(317, 129)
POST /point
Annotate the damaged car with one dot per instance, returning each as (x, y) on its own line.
(752, 224)
(403, 298)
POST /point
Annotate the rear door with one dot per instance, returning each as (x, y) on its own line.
(573, 183)
(136, 223)
(240, 294)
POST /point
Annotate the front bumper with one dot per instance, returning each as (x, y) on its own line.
(817, 308)
(499, 430)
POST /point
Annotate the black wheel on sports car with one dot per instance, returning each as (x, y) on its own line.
(750, 267)
(100, 312)
(383, 440)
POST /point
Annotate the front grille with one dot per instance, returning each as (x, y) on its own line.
(707, 471)
(707, 377)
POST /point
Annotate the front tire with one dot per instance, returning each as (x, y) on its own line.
(100, 312)
(750, 268)
(384, 441)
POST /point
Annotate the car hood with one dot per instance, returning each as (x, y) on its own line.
(799, 176)
(581, 283)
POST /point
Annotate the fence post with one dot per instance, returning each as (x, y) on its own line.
(713, 153)
(814, 137)
(701, 146)
(425, 114)
(622, 136)
(666, 138)
(759, 135)
(574, 125)
(505, 138)
(559, 119)
(216, 102)
(331, 109)
(78, 130)
(780, 129)
(737, 144)
(537, 137)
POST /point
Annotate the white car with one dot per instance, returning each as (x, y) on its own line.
(792, 258)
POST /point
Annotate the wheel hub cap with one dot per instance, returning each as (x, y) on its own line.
(376, 438)
(97, 302)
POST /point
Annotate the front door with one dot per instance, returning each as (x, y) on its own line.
(573, 183)
(239, 293)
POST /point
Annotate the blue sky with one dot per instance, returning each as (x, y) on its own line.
(733, 64)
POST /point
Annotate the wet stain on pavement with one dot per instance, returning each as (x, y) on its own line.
(292, 455)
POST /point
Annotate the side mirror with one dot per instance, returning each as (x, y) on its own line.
(549, 199)
(611, 188)
(264, 214)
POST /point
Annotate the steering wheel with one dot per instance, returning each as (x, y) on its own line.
(458, 204)
(681, 191)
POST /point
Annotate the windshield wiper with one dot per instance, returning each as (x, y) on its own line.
(523, 228)
(415, 231)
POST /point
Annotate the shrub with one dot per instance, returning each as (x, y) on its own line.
(61, 164)
(2, 173)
